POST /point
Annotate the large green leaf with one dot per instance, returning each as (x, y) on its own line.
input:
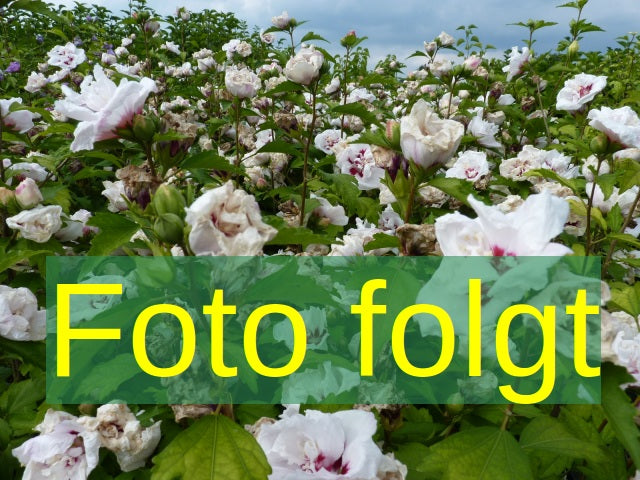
(549, 434)
(619, 411)
(213, 448)
(484, 453)
(115, 231)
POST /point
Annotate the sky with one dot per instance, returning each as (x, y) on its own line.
(400, 27)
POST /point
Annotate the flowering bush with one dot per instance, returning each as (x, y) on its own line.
(189, 135)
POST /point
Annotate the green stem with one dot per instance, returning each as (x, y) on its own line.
(508, 413)
(412, 194)
(587, 247)
(237, 107)
(345, 93)
(626, 223)
(306, 153)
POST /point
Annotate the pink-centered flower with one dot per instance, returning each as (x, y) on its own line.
(327, 446)
(102, 106)
(526, 231)
(357, 160)
(579, 91)
(517, 61)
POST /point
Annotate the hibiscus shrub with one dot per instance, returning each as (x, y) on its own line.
(137, 134)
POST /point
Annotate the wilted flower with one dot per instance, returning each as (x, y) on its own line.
(226, 221)
(20, 120)
(358, 160)
(122, 433)
(102, 107)
(532, 158)
(242, 83)
(621, 125)
(305, 66)
(37, 224)
(579, 91)
(65, 449)
(517, 60)
(66, 57)
(526, 231)
(470, 166)
(20, 318)
(323, 445)
(281, 21)
(426, 139)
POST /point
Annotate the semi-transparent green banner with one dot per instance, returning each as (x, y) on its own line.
(323, 330)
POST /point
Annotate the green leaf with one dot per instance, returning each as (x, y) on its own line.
(615, 218)
(626, 297)
(115, 231)
(358, 110)
(209, 160)
(279, 146)
(575, 184)
(312, 36)
(298, 236)
(456, 187)
(625, 238)
(285, 87)
(549, 434)
(483, 453)
(629, 173)
(382, 240)
(213, 448)
(619, 411)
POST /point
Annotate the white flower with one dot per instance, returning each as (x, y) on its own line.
(445, 39)
(206, 63)
(27, 193)
(357, 160)
(592, 161)
(65, 449)
(226, 221)
(120, 51)
(20, 318)
(114, 191)
(472, 62)
(356, 238)
(389, 220)
(108, 58)
(281, 21)
(35, 82)
(527, 231)
(360, 94)
(440, 67)
(484, 131)
(59, 75)
(122, 433)
(101, 106)
(172, 47)
(621, 125)
(625, 200)
(25, 170)
(517, 61)
(242, 83)
(66, 57)
(334, 214)
(627, 351)
(532, 158)
(579, 91)
(321, 445)
(333, 86)
(305, 66)
(20, 121)
(326, 140)
(243, 49)
(37, 224)
(426, 139)
(470, 166)
(75, 226)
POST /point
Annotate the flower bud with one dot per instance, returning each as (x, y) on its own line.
(144, 128)
(28, 194)
(599, 144)
(455, 404)
(5, 195)
(169, 227)
(168, 199)
(573, 48)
